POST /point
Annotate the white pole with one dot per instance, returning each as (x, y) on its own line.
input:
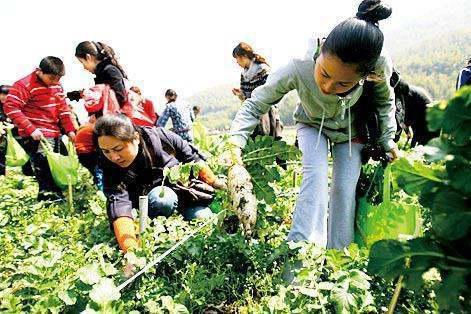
(143, 213)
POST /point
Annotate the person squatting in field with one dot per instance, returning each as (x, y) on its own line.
(135, 158)
(36, 104)
(329, 85)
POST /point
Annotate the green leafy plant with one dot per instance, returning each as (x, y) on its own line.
(259, 157)
(442, 186)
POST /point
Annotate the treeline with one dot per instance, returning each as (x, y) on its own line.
(432, 64)
(435, 63)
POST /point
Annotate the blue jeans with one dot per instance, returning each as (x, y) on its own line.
(324, 218)
(165, 204)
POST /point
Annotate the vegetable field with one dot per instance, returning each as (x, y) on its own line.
(59, 259)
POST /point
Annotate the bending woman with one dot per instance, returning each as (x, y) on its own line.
(329, 86)
(135, 158)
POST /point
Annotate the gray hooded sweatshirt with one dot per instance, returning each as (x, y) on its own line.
(331, 114)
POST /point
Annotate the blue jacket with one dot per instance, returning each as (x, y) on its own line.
(464, 78)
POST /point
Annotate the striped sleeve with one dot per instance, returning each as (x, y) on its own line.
(13, 107)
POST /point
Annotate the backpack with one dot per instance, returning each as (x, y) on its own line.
(137, 111)
(101, 98)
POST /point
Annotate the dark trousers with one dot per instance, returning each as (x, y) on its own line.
(91, 162)
(38, 159)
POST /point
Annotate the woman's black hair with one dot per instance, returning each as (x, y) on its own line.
(4, 89)
(99, 50)
(121, 127)
(359, 40)
(245, 50)
(52, 65)
(170, 93)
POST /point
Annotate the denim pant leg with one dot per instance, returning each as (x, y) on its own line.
(345, 176)
(310, 215)
(162, 204)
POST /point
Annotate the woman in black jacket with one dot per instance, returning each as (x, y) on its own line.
(101, 60)
(134, 163)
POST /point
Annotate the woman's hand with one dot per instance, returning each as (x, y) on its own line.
(392, 154)
(129, 270)
(220, 184)
(236, 91)
(232, 156)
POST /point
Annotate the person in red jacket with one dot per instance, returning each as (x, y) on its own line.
(36, 105)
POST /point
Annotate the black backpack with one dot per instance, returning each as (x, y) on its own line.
(367, 121)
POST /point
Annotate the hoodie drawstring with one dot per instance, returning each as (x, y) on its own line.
(343, 105)
(350, 132)
(320, 129)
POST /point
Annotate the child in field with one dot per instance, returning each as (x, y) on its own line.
(36, 105)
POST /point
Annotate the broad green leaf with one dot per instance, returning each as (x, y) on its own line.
(172, 307)
(459, 173)
(342, 299)
(457, 118)
(451, 226)
(415, 178)
(387, 259)
(447, 200)
(260, 180)
(104, 292)
(108, 269)
(450, 290)
(435, 114)
(89, 274)
(69, 297)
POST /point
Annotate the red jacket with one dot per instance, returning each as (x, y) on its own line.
(33, 105)
(148, 107)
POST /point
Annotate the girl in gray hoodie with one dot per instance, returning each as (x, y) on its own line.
(329, 86)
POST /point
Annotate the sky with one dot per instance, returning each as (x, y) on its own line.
(184, 45)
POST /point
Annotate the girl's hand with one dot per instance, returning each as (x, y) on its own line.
(393, 154)
(220, 184)
(129, 270)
